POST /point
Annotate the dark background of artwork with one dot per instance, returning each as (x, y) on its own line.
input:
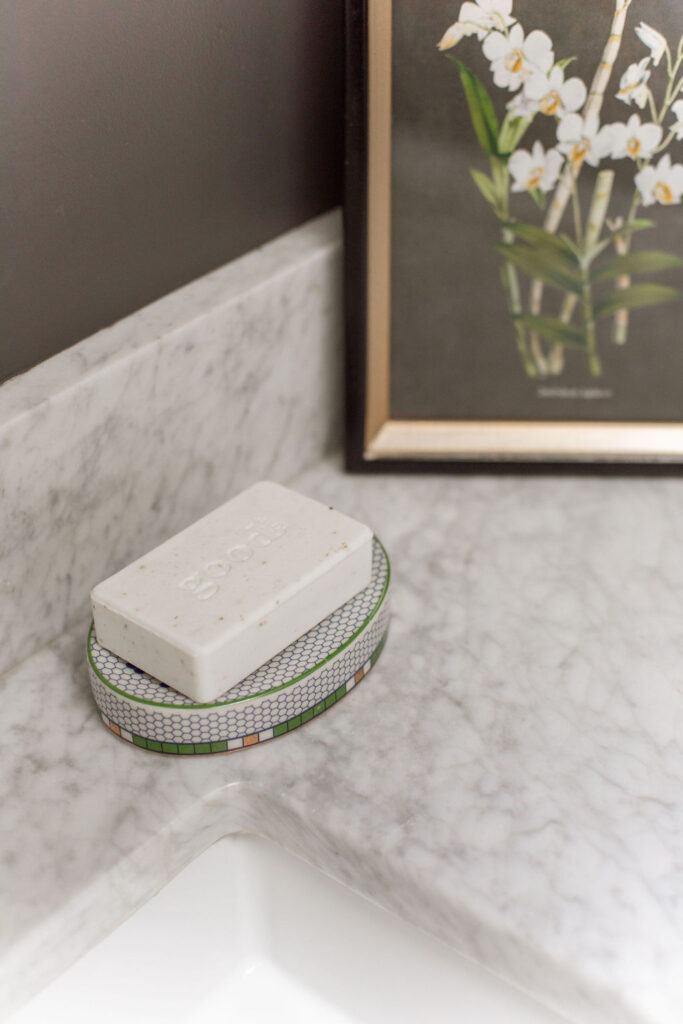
(453, 353)
(145, 142)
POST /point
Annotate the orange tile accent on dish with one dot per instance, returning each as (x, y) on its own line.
(250, 740)
(115, 728)
(359, 675)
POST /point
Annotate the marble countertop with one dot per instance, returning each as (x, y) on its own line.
(508, 776)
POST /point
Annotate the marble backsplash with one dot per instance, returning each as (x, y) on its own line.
(122, 440)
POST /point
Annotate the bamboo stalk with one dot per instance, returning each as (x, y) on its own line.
(620, 325)
(511, 285)
(594, 364)
(594, 224)
(598, 208)
(622, 243)
(592, 107)
(540, 358)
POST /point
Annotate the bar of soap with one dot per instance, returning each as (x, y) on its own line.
(212, 604)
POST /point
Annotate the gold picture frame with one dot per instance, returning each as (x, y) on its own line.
(375, 437)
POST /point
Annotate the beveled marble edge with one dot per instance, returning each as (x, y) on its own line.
(115, 444)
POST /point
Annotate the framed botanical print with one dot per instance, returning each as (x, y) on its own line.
(514, 250)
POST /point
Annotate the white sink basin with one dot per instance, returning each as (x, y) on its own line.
(249, 932)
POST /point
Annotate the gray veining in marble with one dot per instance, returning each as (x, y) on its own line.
(508, 777)
(125, 438)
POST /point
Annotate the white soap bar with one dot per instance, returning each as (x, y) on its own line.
(208, 607)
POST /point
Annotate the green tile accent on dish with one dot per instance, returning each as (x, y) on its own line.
(220, 746)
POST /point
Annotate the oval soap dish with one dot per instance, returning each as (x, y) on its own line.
(295, 686)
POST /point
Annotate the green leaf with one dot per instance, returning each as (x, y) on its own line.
(631, 226)
(648, 262)
(486, 186)
(553, 270)
(501, 177)
(628, 229)
(482, 114)
(565, 62)
(511, 132)
(544, 240)
(488, 109)
(538, 197)
(554, 330)
(572, 246)
(635, 297)
(594, 251)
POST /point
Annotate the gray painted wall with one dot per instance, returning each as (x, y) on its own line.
(145, 142)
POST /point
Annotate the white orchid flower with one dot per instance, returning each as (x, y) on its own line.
(583, 140)
(515, 58)
(478, 19)
(535, 169)
(654, 40)
(453, 35)
(661, 184)
(552, 95)
(633, 84)
(677, 111)
(520, 106)
(639, 141)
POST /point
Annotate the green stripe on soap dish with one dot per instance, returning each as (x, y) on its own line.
(221, 746)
